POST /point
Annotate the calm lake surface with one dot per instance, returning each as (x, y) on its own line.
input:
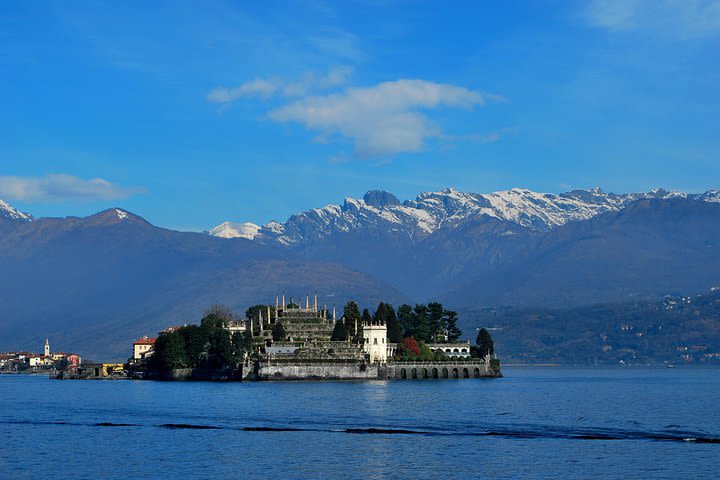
(534, 423)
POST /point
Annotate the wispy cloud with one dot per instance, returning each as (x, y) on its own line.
(686, 18)
(60, 187)
(259, 87)
(266, 88)
(385, 119)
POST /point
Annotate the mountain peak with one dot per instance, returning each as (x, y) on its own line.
(429, 212)
(8, 212)
(380, 198)
(113, 216)
(235, 230)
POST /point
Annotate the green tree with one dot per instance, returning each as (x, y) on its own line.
(366, 317)
(220, 351)
(62, 364)
(351, 316)
(212, 321)
(340, 332)
(425, 353)
(420, 330)
(453, 332)
(255, 311)
(170, 352)
(278, 332)
(406, 318)
(196, 343)
(484, 344)
(393, 325)
(435, 320)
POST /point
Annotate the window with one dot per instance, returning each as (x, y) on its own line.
(383, 340)
(375, 341)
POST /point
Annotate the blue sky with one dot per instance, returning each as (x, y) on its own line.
(191, 114)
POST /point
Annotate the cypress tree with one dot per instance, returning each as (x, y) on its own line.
(453, 331)
(484, 343)
(394, 332)
(366, 317)
(406, 319)
(436, 320)
(278, 332)
(351, 315)
(339, 332)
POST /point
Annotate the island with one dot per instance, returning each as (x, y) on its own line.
(289, 341)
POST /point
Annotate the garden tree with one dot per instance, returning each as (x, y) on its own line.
(340, 332)
(381, 314)
(241, 344)
(220, 311)
(406, 318)
(453, 332)
(408, 349)
(386, 314)
(366, 317)
(170, 352)
(435, 320)
(484, 344)
(212, 321)
(254, 313)
(278, 332)
(220, 350)
(351, 315)
(196, 343)
(421, 330)
(425, 353)
(62, 364)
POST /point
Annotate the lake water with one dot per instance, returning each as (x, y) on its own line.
(534, 423)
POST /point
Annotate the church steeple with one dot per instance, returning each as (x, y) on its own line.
(47, 347)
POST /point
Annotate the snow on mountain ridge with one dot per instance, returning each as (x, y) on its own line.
(448, 208)
(235, 230)
(10, 212)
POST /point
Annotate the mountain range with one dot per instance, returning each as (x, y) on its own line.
(94, 283)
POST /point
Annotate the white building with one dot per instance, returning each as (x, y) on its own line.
(143, 347)
(375, 342)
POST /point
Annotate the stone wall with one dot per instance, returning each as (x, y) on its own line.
(429, 370)
(314, 371)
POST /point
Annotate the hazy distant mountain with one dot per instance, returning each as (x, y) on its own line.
(439, 241)
(94, 283)
(650, 248)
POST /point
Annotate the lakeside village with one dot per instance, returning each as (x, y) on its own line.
(288, 341)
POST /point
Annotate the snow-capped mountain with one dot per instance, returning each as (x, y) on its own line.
(235, 230)
(449, 208)
(8, 212)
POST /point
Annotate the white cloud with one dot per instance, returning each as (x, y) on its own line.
(60, 187)
(311, 81)
(686, 18)
(259, 87)
(385, 119)
(266, 88)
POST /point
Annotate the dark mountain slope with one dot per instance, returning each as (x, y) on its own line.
(650, 248)
(92, 284)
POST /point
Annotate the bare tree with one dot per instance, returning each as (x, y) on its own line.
(221, 311)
